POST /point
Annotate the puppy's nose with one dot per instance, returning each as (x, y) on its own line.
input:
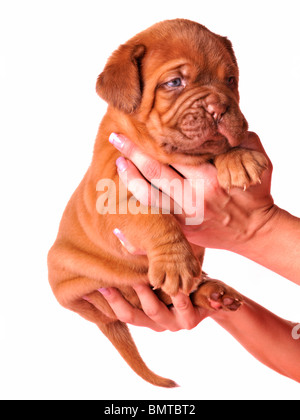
(217, 110)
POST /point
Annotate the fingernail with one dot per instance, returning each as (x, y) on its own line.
(116, 141)
(121, 164)
(104, 291)
(119, 235)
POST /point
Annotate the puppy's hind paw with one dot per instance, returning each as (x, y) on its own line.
(213, 294)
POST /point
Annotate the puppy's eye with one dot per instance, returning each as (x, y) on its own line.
(231, 81)
(174, 83)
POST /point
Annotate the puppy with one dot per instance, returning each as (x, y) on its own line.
(173, 90)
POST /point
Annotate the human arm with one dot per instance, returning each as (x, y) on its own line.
(276, 245)
(266, 336)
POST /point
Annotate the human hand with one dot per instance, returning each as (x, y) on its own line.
(229, 218)
(154, 313)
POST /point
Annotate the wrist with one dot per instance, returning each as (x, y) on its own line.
(261, 225)
(275, 244)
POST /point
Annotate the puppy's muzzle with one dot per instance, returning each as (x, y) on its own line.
(212, 118)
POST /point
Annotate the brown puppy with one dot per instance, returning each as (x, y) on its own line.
(173, 90)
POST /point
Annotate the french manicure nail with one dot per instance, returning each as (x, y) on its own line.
(116, 141)
(121, 164)
(119, 235)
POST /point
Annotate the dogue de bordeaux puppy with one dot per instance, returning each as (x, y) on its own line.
(173, 90)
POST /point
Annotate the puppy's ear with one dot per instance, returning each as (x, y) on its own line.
(120, 84)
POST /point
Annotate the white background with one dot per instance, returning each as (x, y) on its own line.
(51, 53)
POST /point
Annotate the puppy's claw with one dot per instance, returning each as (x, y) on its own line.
(240, 168)
(173, 272)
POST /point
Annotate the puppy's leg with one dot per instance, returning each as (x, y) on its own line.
(172, 264)
(240, 168)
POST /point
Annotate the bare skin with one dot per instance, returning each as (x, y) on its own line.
(244, 222)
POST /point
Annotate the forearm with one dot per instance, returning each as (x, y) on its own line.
(276, 245)
(266, 336)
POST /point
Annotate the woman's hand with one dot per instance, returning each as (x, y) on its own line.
(216, 218)
(155, 314)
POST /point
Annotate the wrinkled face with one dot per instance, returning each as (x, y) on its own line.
(184, 89)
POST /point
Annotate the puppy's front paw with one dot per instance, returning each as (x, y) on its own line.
(240, 168)
(174, 269)
(213, 294)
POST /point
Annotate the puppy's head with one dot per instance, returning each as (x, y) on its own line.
(180, 81)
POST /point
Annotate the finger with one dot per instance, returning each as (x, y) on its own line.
(184, 194)
(149, 167)
(217, 203)
(252, 141)
(178, 196)
(125, 312)
(204, 189)
(142, 190)
(206, 171)
(163, 177)
(156, 309)
(187, 315)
